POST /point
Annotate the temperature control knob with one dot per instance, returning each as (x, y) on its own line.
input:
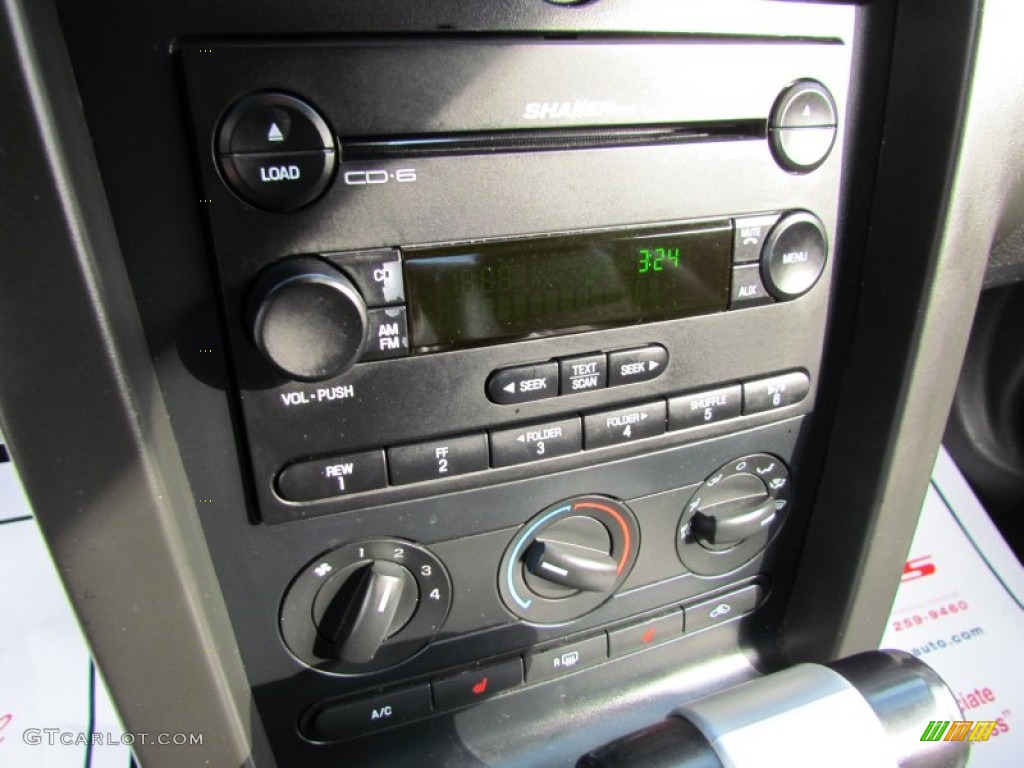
(307, 319)
(365, 606)
(569, 559)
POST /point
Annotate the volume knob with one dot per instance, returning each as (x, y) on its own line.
(307, 319)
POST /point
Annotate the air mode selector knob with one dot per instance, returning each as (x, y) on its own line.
(733, 514)
(735, 509)
(307, 319)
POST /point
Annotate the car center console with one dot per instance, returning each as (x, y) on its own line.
(474, 383)
(531, 327)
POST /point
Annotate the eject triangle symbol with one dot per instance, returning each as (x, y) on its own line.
(274, 134)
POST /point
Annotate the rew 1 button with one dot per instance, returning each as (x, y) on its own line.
(523, 384)
(337, 476)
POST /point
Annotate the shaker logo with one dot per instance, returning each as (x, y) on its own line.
(557, 110)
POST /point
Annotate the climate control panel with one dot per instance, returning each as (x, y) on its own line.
(385, 610)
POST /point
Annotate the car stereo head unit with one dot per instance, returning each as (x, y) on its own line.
(428, 197)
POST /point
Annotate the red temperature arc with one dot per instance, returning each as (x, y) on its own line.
(622, 524)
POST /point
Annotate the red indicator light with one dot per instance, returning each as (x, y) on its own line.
(480, 687)
(647, 636)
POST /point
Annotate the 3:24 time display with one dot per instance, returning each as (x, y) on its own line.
(657, 259)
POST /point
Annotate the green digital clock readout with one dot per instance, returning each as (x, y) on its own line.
(478, 293)
(657, 259)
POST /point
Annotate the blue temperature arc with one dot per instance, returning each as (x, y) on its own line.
(524, 604)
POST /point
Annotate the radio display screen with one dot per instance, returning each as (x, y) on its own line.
(478, 293)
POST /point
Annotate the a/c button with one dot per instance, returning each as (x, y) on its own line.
(369, 715)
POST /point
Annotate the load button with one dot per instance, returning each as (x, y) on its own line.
(276, 152)
(629, 366)
(279, 181)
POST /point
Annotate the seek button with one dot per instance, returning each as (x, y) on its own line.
(630, 366)
(523, 384)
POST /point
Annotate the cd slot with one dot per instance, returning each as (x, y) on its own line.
(545, 139)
